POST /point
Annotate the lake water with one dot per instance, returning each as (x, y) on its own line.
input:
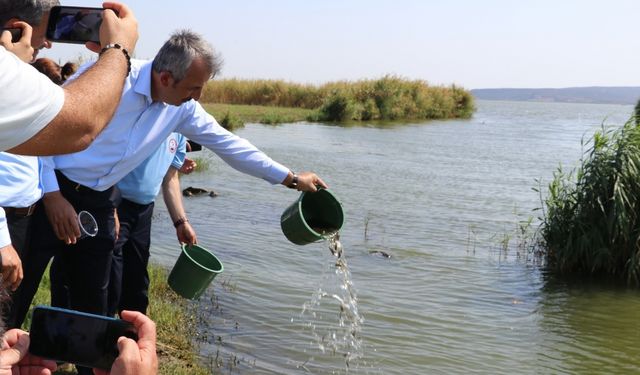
(444, 199)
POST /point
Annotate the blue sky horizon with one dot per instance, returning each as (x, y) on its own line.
(489, 44)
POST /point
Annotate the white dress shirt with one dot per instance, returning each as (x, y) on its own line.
(140, 125)
(21, 185)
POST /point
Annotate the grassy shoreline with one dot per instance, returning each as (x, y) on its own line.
(233, 116)
(175, 322)
(389, 98)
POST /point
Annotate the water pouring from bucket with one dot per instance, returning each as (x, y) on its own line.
(312, 217)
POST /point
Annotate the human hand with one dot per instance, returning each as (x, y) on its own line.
(121, 28)
(11, 267)
(62, 216)
(309, 181)
(117, 225)
(139, 357)
(15, 359)
(188, 166)
(186, 234)
(22, 48)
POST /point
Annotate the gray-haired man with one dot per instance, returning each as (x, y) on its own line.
(159, 98)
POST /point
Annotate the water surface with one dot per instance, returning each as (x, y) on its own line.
(444, 199)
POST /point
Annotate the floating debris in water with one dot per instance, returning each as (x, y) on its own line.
(383, 254)
(194, 191)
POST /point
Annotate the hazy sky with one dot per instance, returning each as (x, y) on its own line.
(472, 43)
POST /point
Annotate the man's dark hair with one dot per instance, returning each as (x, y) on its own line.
(29, 11)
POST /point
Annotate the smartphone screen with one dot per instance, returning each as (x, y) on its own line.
(74, 24)
(16, 33)
(76, 337)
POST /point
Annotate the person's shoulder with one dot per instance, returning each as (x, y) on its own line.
(138, 68)
(8, 59)
(139, 63)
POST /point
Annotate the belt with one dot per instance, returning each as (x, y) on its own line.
(20, 211)
(62, 179)
(79, 187)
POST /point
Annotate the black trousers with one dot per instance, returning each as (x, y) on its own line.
(20, 233)
(87, 263)
(129, 284)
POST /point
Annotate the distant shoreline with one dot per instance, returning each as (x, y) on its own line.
(587, 95)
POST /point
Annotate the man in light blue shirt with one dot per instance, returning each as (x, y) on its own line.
(129, 282)
(139, 188)
(159, 98)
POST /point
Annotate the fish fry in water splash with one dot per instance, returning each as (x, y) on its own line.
(335, 246)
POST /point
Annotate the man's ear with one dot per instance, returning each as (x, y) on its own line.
(10, 22)
(166, 79)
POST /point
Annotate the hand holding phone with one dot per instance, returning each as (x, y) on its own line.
(17, 39)
(14, 353)
(16, 33)
(76, 337)
(119, 26)
(139, 357)
(94, 27)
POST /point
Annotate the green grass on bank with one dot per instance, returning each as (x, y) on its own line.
(233, 116)
(389, 98)
(175, 322)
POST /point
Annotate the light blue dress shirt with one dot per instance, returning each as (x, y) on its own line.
(21, 185)
(140, 125)
(142, 184)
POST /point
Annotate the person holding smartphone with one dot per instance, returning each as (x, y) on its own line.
(39, 118)
(135, 357)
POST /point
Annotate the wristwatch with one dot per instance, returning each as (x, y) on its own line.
(180, 221)
(294, 182)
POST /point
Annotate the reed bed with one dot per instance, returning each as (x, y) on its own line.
(591, 214)
(387, 98)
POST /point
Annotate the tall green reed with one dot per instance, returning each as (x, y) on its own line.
(591, 221)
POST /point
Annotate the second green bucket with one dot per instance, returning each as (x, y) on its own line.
(193, 272)
(313, 217)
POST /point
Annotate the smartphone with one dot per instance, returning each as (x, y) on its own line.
(16, 33)
(74, 24)
(77, 337)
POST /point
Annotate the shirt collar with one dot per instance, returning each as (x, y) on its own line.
(143, 83)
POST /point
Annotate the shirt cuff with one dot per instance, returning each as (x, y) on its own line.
(278, 173)
(48, 177)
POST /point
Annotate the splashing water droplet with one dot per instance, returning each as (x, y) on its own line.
(337, 333)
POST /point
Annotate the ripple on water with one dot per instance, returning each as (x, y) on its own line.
(439, 198)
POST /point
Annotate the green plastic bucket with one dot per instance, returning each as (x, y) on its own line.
(313, 217)
(194, 270)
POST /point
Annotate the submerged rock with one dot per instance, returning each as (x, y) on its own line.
(383, 254)
(193, 191)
